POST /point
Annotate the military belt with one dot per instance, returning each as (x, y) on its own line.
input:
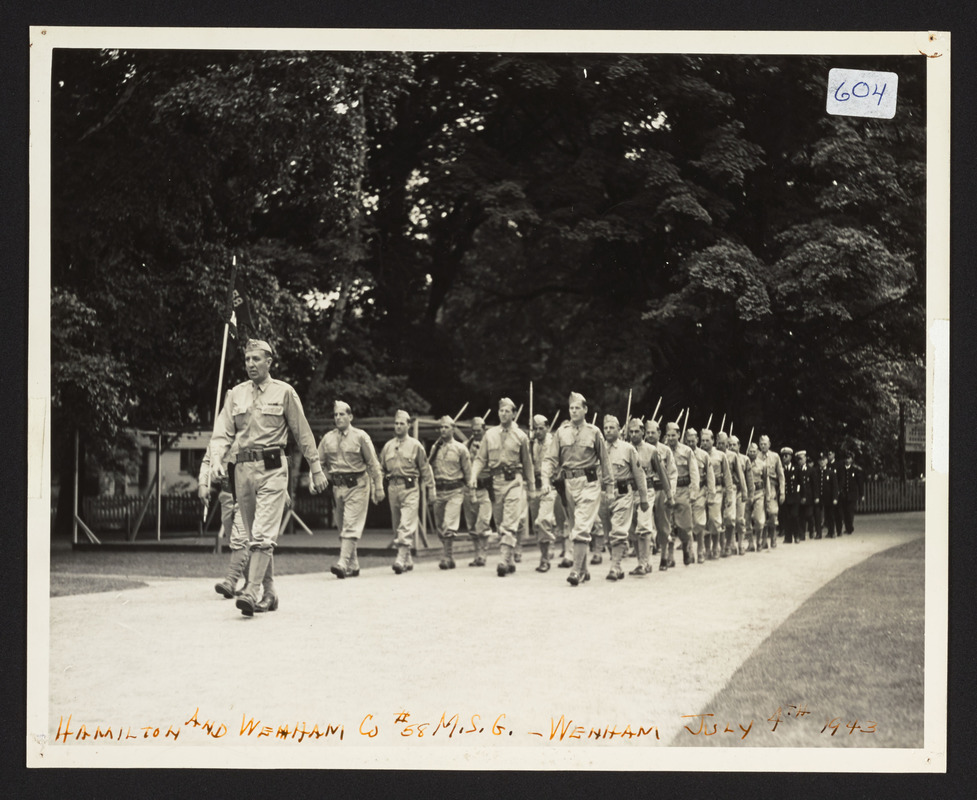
(447, 486)
(254, 455)
(348, 479)
(408, 482)
(590, 473)
(683, 480)
(509, 473)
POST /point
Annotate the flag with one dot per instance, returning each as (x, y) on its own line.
(238, 311)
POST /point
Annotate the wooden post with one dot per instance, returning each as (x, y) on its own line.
(159, 486)
(76, 520)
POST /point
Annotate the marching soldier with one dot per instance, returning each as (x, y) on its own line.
(542, 506)
(836, 510)
(825, 497)
(850, 491)
(578, 454)
(756, 478)
(805, 475)
(353, 470)
(687, 485)
(651, 464)
(478, 502)
(256, 417)
(452, 473)
(503, 453)
(231, 526)
(707, 487)
(714, 502)
(791, 504)
(403, 464)
(627, 475)
(664, 493)
(742, 498)
(737, 486)
(775, 489)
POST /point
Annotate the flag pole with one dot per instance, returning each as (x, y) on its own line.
(227, 324)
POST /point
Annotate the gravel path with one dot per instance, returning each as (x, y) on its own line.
(636, 654)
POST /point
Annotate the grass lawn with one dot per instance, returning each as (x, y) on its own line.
(84, 572)
(851, 656)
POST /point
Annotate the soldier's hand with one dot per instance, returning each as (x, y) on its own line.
(816, 501)
(378, 496)
(288, 501)
(218, 472)
(643, 505)
(546, 488)
(203, 492)
(432, 494)
(834, 502)
(319, 483)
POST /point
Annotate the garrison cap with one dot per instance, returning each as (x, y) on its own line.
(258, 344)
(576, 397)
(800, 453)
(734, 439)
(539, 419)
(786, 451)
(691, 430)
(635, 423)
(671, 426)
(401, 414)
(478, 421)
(610, 418)
(704, 431)
(446, 420)
(341, 405)
(505, 401)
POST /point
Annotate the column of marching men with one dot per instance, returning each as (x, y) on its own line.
(579, 487)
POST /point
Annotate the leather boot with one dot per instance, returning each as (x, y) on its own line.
(449, 545)
(579, 572)
(597, 557)
(354, 562)
(642, 551)
(269, 598)
(445, 553)
(342, 568)
(505, 566)
(236, 567)
(544, 556)
(617, 553)
(400, 563)
(260, 560)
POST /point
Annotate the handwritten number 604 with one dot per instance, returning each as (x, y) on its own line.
(842, 97)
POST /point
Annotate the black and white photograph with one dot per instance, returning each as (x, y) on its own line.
(488, 399)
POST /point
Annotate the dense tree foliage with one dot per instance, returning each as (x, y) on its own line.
(424, 229)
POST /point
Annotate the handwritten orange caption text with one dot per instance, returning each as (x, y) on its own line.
(707, 727)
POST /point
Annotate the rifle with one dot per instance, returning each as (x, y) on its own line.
(627, 416)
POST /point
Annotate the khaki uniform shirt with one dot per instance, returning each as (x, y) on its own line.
(576, 447)
(405, 458)
(623, 461)
(504, 448)
(351, 451)
(255, 417)
(450, 461)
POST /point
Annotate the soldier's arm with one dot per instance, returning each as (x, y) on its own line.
(301, 431)
(424, 467)
(551, 460)
(466, 463)
(710, 479)
(639, 476)
(605, 468)
(527, 464)
(727, 475)
(695, 479)
(203, 479)
(222, 437)
(480, 458)
(672, 468)
(369, 455)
